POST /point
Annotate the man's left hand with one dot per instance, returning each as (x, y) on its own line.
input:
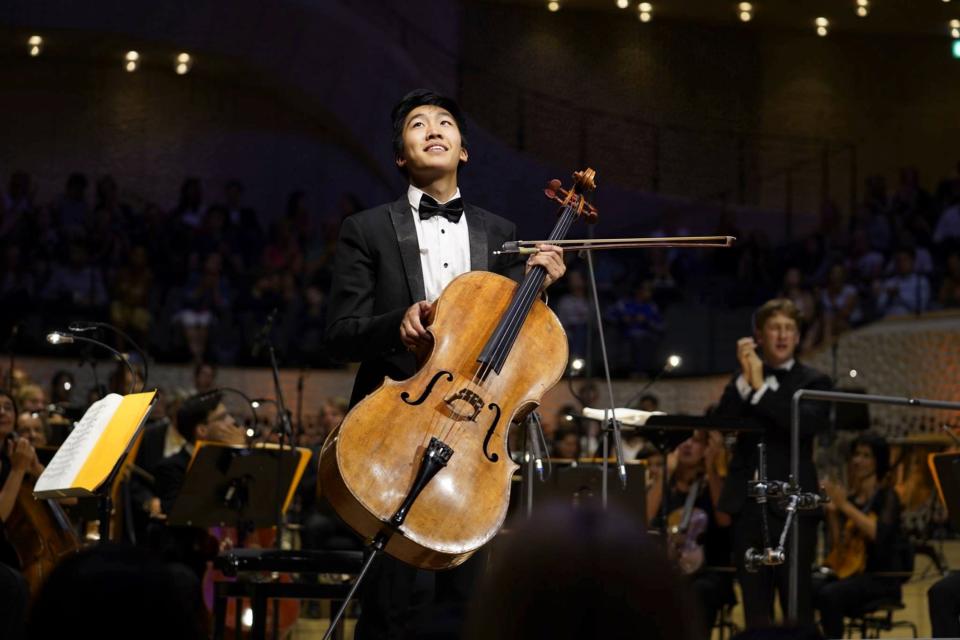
(550, 257)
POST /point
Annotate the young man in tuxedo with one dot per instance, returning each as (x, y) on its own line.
(762, 390)
(392, 262)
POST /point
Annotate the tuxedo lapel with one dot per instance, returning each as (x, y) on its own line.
(477, 229)
(402, 218)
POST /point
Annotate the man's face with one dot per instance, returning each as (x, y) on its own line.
(220, 427)
(778, 339)
(432, 145)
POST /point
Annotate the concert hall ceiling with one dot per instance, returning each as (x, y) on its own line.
(917, 17)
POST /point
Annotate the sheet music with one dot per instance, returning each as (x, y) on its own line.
(71, 455)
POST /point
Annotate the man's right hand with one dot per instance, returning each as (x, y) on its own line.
(413, 332)
(750, 364)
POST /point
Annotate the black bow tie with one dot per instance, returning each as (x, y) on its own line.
(450, 210)
(779, 374)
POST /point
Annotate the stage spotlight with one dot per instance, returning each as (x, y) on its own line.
(822, 24)
(553, 6)
(853, 373)
(184, 63)
(576, 366)
(673, 362)
(133, 60)
(746, 11)
(863, 7)
(623, 4)
(36, 45)
(646, 11)
(955, 28)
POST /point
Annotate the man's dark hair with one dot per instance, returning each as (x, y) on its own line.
(418, 98)
(194, 411)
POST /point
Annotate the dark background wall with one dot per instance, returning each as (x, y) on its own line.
(718, 96)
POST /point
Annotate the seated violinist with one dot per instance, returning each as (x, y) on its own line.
(695, 483)
(863, 525)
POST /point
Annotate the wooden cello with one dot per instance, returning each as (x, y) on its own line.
(420, 466)
(40, 534)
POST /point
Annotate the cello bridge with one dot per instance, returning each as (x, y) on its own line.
(464, 405)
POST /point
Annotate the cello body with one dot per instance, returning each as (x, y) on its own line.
(40, 533)
(369, 464)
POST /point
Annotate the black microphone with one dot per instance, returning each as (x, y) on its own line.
(263, 336)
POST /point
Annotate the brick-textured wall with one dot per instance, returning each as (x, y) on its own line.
(916, 357)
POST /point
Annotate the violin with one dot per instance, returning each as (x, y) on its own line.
(848, 556)
(39, 532)
(684, 528)
(420, 466)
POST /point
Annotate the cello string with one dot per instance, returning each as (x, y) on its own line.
(525, 297)
(514, 313)
(518, 312)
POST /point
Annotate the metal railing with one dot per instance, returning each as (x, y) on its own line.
(832, 396)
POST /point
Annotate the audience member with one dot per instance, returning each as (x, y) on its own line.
(122, 592)
(907, 292)
(614, 582)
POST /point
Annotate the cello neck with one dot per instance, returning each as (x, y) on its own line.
(498, 346)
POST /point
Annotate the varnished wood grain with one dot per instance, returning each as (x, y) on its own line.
(368, 465)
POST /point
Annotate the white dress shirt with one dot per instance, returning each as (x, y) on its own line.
(444, 246)
(770, 382)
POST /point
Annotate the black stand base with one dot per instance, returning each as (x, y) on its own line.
(375, 549)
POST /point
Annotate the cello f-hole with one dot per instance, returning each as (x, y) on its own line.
(405, 396)
(492, 457)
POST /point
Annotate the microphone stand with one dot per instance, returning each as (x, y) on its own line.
(612, 425)
(300, 377)
(78, 327)
(57, 338)
(283, 426)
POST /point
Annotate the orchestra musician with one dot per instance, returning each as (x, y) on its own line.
(863, 525)
(17, 459)
(695, 465)
(201, 417)
(392, 262)
(763, 390)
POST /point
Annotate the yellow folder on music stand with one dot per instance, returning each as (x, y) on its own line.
(97, 443)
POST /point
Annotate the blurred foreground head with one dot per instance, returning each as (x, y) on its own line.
(573, 573)
(115, 592)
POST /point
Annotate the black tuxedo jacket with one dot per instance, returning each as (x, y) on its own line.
(377, 277)
(772, 411)
(149, 456)
(169, 475)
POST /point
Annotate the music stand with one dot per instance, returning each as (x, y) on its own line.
(667, 431)
(582, 483)
(227, 484)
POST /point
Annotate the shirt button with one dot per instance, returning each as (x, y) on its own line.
(445, 265)
(443, 230)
